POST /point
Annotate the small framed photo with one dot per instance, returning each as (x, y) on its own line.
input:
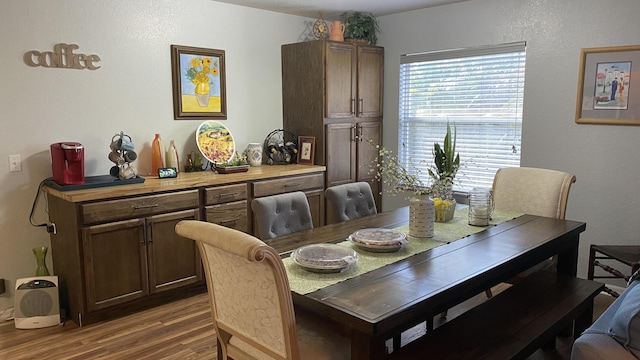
(198, 83)
(306, 149)
(607, 88)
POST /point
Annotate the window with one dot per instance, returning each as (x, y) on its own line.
(480, 92)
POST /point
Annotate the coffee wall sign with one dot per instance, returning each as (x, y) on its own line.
(62, 56)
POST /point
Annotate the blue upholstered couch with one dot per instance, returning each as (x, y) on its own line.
(616, 333)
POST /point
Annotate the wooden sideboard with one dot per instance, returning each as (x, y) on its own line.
(115, 250)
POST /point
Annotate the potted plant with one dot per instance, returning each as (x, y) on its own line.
(360, 26)
(446, 165)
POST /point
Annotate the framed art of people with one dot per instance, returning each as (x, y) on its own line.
(606, 86)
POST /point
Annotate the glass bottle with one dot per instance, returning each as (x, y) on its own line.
(188, 166)
(156, 155)
(40, 253)
(172, 157)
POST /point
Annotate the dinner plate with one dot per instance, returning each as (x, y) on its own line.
(378, 239)
(324, 258)
(215, 142)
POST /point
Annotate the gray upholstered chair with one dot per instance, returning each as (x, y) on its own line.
(281, 214)
(349, 201)
(251, 304)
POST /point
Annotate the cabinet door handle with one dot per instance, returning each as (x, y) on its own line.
(292, 185)
(353, 106)
(361, 107)
(354, 136)
(138, 207)
(229, 194)
(360, 132)
(229, 220)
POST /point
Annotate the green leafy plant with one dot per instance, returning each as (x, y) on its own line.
(359, 25)
(447, 163)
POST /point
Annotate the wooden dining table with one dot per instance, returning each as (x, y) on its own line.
(379, 304)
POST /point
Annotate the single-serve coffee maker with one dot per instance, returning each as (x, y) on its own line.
(67, 163)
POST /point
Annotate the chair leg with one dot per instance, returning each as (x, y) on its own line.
(443, 315)
(489, 293)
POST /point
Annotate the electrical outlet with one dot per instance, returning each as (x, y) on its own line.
(15, 163)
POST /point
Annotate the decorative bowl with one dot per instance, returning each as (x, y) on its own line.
(324, 258)
(444, 209)
(378, 239)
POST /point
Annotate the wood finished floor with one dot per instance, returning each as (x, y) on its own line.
(179, 330)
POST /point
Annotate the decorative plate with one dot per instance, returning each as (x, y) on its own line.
(378, 239)
(215, 142)
(324, 258)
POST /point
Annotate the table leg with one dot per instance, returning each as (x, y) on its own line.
(568, 260)
(366, 347)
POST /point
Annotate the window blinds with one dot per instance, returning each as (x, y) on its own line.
(480, 92)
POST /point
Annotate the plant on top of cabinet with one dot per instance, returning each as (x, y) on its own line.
(360, 26)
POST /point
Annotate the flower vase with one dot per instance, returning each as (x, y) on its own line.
(254, 154)
(41, 259)
(421, 216)
(202, 94)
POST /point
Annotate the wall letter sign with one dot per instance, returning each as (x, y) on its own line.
(62, 56)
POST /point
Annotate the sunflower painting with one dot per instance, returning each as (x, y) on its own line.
(198, 83)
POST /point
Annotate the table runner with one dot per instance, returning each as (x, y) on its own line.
(304, 282)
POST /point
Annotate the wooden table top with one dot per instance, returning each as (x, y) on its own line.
(381, 303)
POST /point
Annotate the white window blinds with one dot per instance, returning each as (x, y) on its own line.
(480, 92)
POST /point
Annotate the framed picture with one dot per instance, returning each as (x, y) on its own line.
(306, 149)
(609, 86)
(199, 90)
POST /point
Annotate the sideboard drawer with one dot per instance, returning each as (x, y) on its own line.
(233, 215)
(224, 194)
(110, 210)
(284, 185)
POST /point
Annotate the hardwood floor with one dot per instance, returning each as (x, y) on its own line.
(179, 330)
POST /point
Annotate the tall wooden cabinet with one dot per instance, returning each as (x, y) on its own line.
(333, 91)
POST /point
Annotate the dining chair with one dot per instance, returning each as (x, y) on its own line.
(250, 298)
(281, 214)
(349, 201)
(534, 191)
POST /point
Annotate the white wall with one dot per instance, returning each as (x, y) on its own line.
(131, 92)
(604, 158)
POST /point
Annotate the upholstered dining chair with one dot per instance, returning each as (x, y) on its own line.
(349, 201)
(534, 191)
(281, 214)
(251, 302)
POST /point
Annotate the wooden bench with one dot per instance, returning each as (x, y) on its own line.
(512, 324)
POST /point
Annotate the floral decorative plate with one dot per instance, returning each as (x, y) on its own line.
(215, 142)
(324, 258)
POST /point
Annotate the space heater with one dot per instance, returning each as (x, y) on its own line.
(36, 302)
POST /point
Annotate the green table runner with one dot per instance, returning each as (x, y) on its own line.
(304, 282)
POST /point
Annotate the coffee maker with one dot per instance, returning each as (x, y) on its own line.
(67, 163)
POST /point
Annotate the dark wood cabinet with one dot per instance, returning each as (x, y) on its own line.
(334, 92)
(115, 249)
(130, 259)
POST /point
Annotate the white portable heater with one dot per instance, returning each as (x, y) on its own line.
(36, 302)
